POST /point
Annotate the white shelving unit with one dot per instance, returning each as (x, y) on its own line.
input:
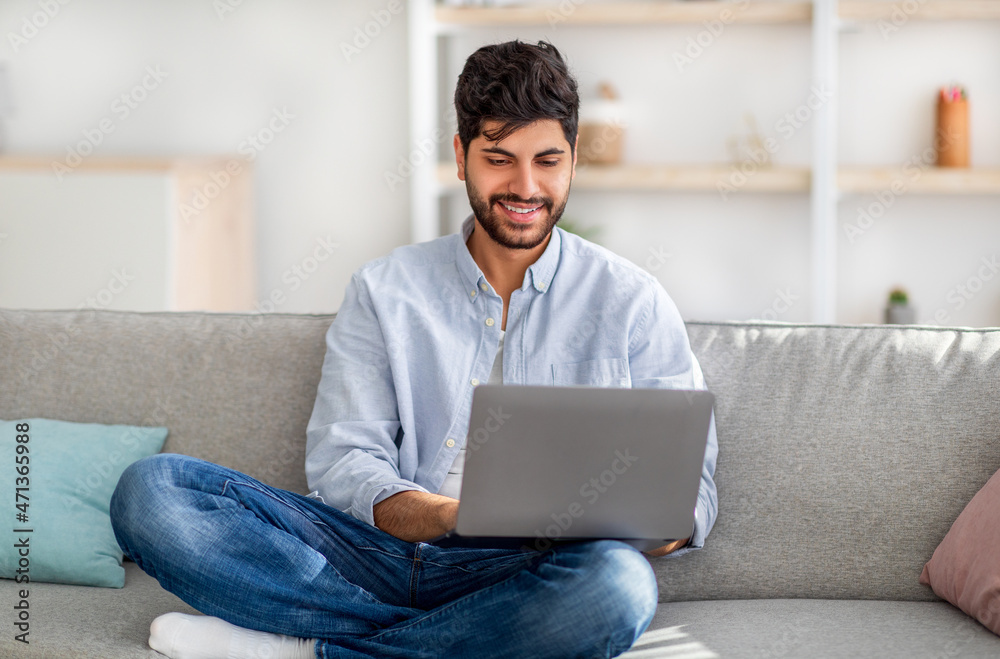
(824, 180)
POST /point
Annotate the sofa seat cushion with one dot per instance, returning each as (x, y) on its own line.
(813, 628)
(85, 622)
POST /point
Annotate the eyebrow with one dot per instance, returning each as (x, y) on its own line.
(541, 154)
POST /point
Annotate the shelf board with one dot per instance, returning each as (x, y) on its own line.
(697, 11)
(677, 178)
(707, 178)
(931, 180)
(24, 163)
(626, 13)
(938, 10)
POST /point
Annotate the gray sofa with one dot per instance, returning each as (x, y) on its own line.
(845, 453)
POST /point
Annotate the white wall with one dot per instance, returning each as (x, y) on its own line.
(321, 176)
(324, 175)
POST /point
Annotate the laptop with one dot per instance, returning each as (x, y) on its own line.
(550, 465)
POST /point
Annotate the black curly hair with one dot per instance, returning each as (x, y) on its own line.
(516, 84)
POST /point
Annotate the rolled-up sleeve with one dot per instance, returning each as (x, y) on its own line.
(352, 449)
(660, 357)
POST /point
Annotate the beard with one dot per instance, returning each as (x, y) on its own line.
(506, 232)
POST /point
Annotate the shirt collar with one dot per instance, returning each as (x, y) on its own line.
(540, 272)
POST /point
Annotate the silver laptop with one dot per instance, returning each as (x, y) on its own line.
(548, 465)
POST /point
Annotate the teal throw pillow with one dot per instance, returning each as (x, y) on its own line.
(56, 481)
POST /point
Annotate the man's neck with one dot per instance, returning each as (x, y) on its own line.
(503, 267)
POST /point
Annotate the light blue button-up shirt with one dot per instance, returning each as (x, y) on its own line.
(419, 329)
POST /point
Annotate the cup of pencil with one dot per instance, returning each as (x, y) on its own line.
(952, 138)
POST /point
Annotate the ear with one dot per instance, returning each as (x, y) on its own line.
(459, 157)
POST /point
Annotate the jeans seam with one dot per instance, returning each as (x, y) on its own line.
(415, 575)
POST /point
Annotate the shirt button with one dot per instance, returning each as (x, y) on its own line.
(483, 286)
(472, 293)
(475, 382)
(450, 443)
(489, 322)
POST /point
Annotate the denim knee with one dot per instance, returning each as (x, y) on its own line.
(617, 580)
(140, 491)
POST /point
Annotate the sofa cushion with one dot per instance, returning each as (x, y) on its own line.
(965, 568)
(65, 476)
(812, 628)
(90, 623)
(845, 454)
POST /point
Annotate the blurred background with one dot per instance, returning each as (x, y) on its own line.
(252, 154)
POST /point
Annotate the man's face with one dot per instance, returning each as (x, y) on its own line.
(518, 187)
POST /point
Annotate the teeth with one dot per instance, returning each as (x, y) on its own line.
(522, 211)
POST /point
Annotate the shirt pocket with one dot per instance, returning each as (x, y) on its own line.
(593, 373)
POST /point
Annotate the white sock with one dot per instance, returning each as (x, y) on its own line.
(182, 636)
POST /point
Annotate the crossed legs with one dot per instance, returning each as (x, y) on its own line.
(275, 561)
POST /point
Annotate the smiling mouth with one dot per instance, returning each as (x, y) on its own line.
(521, 214)
(522, 211)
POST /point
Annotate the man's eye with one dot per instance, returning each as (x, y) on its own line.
(548, 163)
(494, 161)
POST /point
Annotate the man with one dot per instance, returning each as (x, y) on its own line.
(345, 572)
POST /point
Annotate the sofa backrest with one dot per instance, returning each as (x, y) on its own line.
(845, 453)
(235, 389)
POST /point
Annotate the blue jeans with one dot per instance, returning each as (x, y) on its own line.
(273, 560)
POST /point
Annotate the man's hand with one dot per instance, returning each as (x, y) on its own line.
(416, 516)
(666, 549)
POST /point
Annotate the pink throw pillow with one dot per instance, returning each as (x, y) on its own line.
(965, 568)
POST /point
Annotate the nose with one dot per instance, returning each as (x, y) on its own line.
(523, 182)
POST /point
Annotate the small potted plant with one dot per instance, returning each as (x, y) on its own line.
(899, 311)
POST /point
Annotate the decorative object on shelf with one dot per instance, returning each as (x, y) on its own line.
(899, 311)
(952, 137)
(749, 147)
(601, 129)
